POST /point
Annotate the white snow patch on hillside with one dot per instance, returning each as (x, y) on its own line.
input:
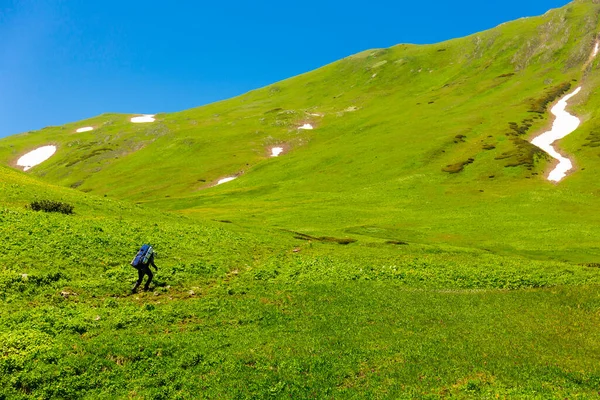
(563, 125)
(595, 53)
(85, 129)
(225, 180)
(36, 157)
(275, 151)
(143, 119)
(306, 126)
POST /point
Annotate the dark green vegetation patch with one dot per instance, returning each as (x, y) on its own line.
(540, 104)
(593, 139)
(524, 154)
(51, 206)
(457, 167)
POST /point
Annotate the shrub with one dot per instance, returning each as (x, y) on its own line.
(51, 206)
(459, 138)
(518, 130)
(593, 139)
(524, 153)
(539, 105)
(458, 167)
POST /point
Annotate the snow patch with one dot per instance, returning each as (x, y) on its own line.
(275, 151)
(36, 157)
(306, 126)
(225, 180)
(595, 53)
(85, 129)
(563, 125)
(143, 119)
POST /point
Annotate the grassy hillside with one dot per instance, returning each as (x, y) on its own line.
(425, 141)
(240, 313)
(407, 247)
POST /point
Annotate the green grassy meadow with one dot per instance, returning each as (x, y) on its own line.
(407, 247)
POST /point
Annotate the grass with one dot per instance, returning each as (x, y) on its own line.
(245, 313)
(352, 266)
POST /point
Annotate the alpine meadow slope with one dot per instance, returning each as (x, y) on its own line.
(426, 138)
(240, 313)
(408, 246)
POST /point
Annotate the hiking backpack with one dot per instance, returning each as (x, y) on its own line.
(142, 256)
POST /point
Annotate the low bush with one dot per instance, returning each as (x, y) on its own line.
(519, 130)
(459, 138)
(593, 139)
(458, 167)
(524, 153)
(539, 105)
(51, 206)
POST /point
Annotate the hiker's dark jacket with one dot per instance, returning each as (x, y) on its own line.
(144, 269)
(147, 265)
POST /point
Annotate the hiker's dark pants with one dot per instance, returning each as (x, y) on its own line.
(143, 270)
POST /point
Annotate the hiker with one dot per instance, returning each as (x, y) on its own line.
(142, 262)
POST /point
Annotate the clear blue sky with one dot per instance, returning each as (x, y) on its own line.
(66, 60)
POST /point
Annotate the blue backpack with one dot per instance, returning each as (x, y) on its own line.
(142, 256)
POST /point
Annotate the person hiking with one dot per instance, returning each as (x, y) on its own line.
(142, 263)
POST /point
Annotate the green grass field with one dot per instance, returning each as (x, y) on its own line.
(407, 247)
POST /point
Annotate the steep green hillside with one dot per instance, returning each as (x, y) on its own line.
(426, 141)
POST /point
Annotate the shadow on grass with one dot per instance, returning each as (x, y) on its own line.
(329, 239)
